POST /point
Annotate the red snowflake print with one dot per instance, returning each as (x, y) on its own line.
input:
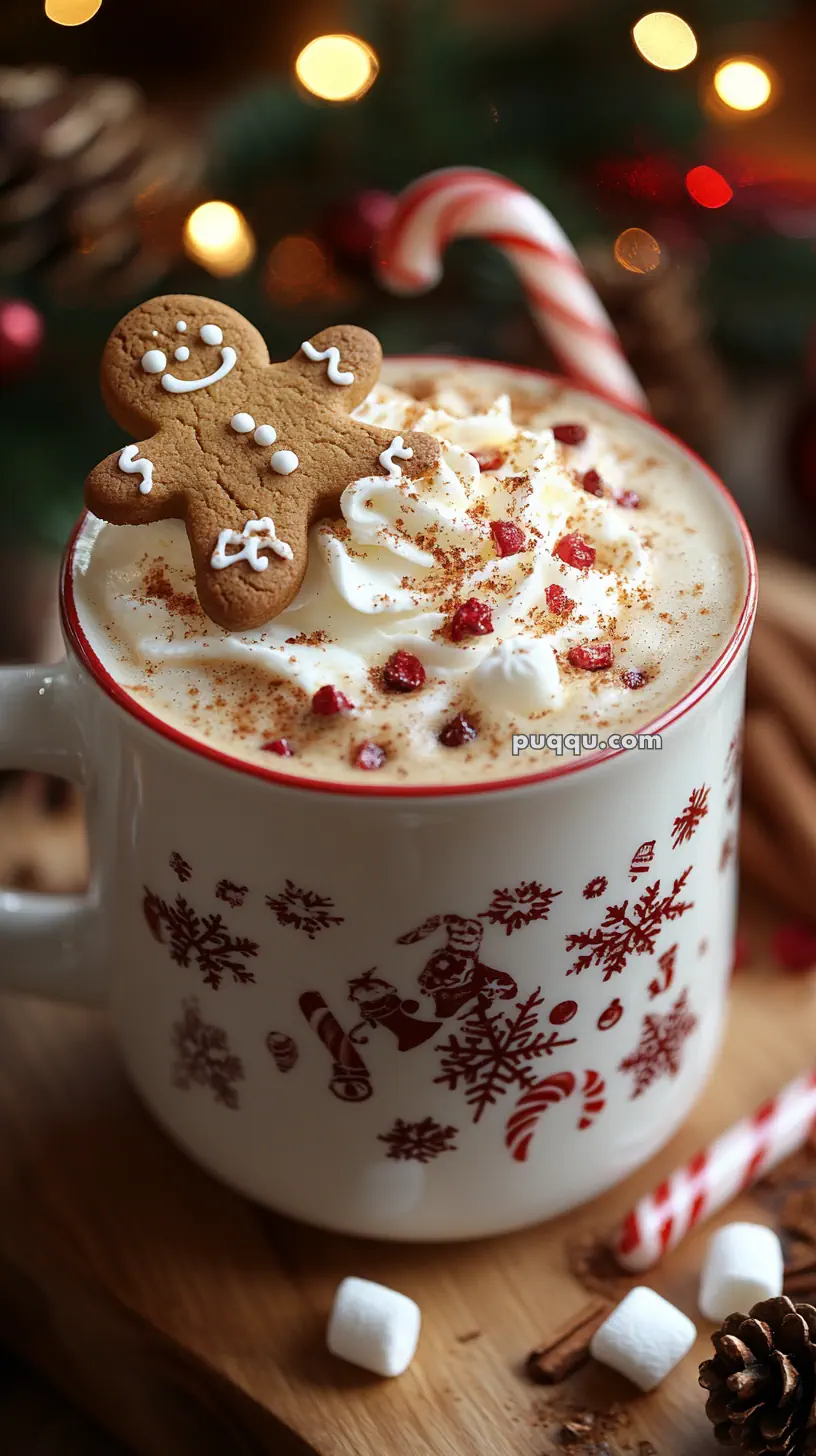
(516, 908)
(733, 768)
(659, 1052)
(494, 1052)
(621, 935)
(230, 893)
(203, 1057)
(204, 939)
(180, 867)
(595, 887)
(303, 909)
(729, 846)
(418, 1142)
(687, 823)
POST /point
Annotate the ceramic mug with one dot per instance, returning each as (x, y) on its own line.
(396, 1012)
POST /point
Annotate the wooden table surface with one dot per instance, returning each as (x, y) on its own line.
(123, 1267)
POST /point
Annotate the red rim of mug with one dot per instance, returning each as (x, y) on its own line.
(89, 659)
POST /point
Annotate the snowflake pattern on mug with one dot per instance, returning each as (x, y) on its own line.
(660, 1049)
(494, 1051)
(231, 893)
(180, 867)
(203, 1057)
(622, 935)
(204, 939)
(733, 769)
(595, 887)
(418, 1142)
(513, 909)
(688, 822)
(303, 909)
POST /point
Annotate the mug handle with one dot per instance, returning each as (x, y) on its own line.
(49, 944)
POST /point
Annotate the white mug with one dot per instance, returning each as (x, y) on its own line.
(396, 1012)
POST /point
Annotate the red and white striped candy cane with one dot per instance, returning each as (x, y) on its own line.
(459, 202)
(711, 1179)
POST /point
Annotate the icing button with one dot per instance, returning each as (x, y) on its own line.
(211, 334)
(242, 423)
(265, 435)
(284, 462)
(154, 361)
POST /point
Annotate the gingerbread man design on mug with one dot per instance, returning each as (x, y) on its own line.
(247, 453)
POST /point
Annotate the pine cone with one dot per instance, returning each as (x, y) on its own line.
(762, 1381)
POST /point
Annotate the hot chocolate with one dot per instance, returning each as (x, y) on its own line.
(560, 569)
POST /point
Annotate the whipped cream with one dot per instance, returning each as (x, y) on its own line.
(390, 573)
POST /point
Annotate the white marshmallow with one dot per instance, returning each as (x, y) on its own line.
(373, 1326)
(644, 1338)
(743, 1265)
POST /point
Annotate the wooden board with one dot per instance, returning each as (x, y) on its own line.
(139, 1267)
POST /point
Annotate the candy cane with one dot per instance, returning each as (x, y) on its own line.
(713, 1177)
(594, 1093)
(523, 1120)
(351, 1079)
(459, 202)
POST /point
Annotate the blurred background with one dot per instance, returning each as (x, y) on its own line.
(252, 151)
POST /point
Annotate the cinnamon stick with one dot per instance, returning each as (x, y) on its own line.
(782, 781)
(568, 1347)
(779, 676)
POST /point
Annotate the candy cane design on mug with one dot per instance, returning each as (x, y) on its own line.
(350, 1079)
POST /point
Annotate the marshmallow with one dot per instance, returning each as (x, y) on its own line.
(743, 1265)
(644, 1338)
(373, 1326)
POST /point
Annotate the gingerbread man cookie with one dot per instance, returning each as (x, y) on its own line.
(247, 453)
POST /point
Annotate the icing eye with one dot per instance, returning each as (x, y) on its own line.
(154, 361)
(154, 333)
(242, 423)
(182, 353)
(284, 462)
(181, 327)
(211, 334)
(265, 435)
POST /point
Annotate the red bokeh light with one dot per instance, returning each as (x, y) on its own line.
(708, 187)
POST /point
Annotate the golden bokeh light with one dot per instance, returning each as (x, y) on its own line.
(743, 84)
(637, 251)
(297, 268)
(218, 236)
(665, 40)
(71, 12)
(337, 67)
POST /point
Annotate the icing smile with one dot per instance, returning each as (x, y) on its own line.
(173, 385)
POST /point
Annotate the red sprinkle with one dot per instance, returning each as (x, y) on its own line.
(472, 619)
(509, 538)
(575, 551)
(370, 755)
(327, 701)
(489, 459)
(634, 678)
(403, 673)
(592, 482)
(628, 499)
(592, 658)
(558, 601)
(794, 946)
(280, 746)
(460, 730)
(570, 434)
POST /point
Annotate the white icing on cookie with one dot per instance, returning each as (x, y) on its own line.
(154, 361)
(284, 462)
(185, 386)
(181, 327)
(132, 466)
(256, 536)
(336, 374)
(211, 334)
(399, 449)
(154, 333)
(265, 435)
(242, 423)
(182, 353)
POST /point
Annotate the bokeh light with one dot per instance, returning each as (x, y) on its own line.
(71, 12)
(337, 67)
(665, 40)
(744, 85)
(218, 236)
(637, 251)
(297, 269)
(708, 187)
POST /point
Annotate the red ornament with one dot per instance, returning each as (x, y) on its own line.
(611, 1016)
(575, 551)
(472, 619)
(563, 1012)
(22, 330)
(354, 225)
